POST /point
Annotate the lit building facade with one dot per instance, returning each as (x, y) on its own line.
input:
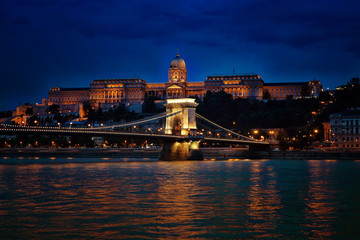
(243, 86)
(133, 91)
(283, 90)
(327, 131)
(345, 128)
(117, 90)
(68, 96)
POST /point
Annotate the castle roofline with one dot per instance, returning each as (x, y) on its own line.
(232, 74)
(69, 89)
(111, 79)
(285, 84)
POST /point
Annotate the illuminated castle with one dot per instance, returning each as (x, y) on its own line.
(134, 90)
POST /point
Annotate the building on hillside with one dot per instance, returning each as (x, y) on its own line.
(240, 86)
(283, 90)
(68, 96)
(345, 128)
(110, 91)
(106, 93)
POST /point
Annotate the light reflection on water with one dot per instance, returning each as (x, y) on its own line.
(171, 200)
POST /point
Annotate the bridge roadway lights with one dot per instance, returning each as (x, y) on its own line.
(180, 151)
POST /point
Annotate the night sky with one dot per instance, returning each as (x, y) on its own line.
(68, 43)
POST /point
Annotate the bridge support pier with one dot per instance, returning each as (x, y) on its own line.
(259, 151)
(179, 151)
(259, 148)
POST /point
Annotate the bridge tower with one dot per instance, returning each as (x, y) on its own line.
(183, 123)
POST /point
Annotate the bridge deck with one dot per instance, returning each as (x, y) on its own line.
(102, 133)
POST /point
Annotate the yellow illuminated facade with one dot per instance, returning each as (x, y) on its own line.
(117, 90)
(68, 96)
(183, 123)
(135, 90)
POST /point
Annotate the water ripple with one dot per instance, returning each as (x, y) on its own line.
(172, 200)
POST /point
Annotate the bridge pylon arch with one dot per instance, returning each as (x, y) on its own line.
(183, 123)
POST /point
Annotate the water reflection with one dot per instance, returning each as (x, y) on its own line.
(172, 200)
(263, 200)
(321, 199)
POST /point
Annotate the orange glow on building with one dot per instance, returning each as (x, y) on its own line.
(135, 90)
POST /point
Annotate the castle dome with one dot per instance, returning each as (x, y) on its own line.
(177, 62)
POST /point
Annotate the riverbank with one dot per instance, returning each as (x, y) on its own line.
(154, 153)
(82, 152)
(296, 155)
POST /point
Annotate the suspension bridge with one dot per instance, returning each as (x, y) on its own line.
(178, 129)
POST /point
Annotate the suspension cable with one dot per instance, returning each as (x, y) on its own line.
(225, 129)
(133, 123)
(141, 121)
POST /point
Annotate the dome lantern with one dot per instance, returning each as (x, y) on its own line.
(178, 62)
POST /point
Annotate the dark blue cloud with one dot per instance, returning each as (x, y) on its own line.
(68, 43)
(21, 20)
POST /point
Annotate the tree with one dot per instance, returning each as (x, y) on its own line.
(5, 114)
(88, 109)
(53, 109)
(325, 96)
(99, 111)
(29, 111)
(266, 95)
(149, 105)
(305, 91)
(354, 82)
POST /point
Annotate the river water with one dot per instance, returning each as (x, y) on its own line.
(247, 199)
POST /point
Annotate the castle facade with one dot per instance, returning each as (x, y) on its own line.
(135, 90)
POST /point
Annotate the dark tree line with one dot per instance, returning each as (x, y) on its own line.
(5, 114)
(344, 97)
(112, 114)
(251, 113)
